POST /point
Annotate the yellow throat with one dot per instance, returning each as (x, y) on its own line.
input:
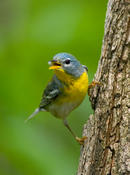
(76, 88)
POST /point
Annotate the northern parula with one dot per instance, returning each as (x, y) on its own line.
(66, 90)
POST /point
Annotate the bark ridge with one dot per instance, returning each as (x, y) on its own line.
(107, 149)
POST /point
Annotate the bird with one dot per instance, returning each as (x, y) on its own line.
(66, 90)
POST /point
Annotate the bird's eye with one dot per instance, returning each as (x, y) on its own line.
(67, 61)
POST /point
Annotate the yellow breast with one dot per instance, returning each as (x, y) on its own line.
(75, 88)
(78, 88)
(73, 94)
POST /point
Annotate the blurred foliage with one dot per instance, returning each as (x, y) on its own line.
(31, 32)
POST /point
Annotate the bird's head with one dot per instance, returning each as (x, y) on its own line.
(65, 62)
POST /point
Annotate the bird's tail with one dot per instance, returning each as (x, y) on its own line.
(37, 110)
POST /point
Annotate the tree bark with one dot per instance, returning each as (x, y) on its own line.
(107, 148)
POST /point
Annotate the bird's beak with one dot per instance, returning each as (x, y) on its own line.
(54, 64)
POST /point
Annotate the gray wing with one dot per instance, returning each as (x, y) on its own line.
(51, 92)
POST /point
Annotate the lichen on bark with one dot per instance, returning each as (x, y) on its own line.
(107, 149)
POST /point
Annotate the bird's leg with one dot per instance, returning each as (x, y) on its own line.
(79, 140)
(94, 83)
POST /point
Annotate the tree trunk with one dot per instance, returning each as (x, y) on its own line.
(107, 148)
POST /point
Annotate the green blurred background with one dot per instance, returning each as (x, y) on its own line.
(31, 33)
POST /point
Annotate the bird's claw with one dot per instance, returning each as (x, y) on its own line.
(81, 140)
(93, 84)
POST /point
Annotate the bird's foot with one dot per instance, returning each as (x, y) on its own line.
(93, 84)
(81, 140)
